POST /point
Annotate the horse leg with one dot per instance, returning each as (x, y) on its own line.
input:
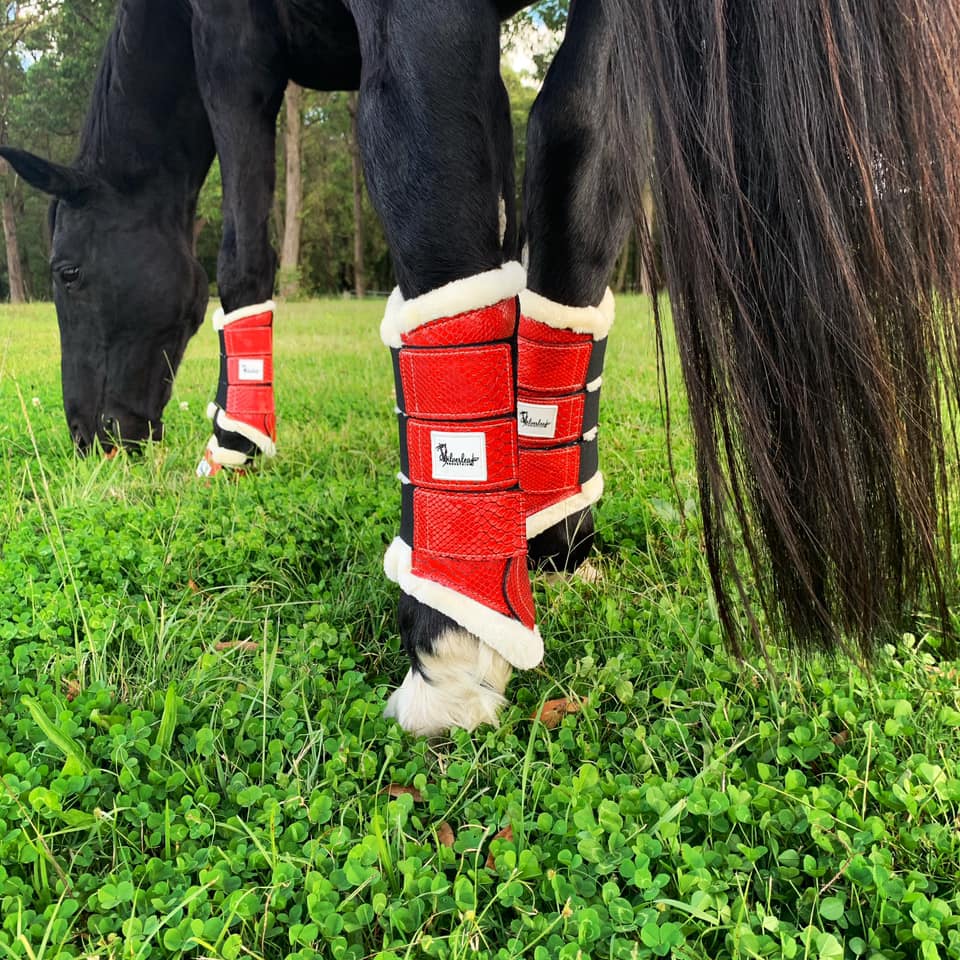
(437, 153)
(242, 89)
(576, 220)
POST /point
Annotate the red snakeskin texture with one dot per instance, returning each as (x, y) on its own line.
(457, 384)
(552, 368)
(248, 351)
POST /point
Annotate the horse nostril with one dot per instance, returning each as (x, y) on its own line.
(111, 426)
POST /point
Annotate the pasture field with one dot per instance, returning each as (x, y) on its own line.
(193, 760)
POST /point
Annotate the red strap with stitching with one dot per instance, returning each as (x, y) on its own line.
(424, 440)
(462, 383)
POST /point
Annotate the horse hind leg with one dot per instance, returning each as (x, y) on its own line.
(576, 220)
(436, 153)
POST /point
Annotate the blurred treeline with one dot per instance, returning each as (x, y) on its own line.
(325, 230)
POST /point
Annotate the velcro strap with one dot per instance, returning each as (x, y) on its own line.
(558, 468)
(477, 455)
(484, 325)
(553, 368)
(244, 341)
(456, 383)
(242, 400)
(469, 526)
(549, 421)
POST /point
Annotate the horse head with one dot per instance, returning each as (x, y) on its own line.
(129, 294)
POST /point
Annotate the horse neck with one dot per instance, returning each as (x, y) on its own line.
(146, 128)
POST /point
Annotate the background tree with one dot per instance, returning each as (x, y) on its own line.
(328, 236)
(289, 280)
(51, 52)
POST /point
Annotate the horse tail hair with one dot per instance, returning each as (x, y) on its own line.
(805, 160)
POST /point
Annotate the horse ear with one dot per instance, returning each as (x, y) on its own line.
(60, 181)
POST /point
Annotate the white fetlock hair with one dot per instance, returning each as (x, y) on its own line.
(461, 685)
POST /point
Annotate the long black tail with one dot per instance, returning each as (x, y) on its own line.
(806, 167)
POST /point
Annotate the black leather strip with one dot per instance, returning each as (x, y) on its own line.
(222, 384)
(589, 459)
(395, 354)
(406, 513)
(596, 359)
(591, 410)
(404, 450)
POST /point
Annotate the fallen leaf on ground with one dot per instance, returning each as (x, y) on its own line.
(250, 646)
(193, 587)
(555, 710)
(505, 834)
(398, 790)
(445, 834)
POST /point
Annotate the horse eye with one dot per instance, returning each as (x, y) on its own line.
(69, 275)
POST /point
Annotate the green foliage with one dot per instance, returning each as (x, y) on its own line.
(167, 792)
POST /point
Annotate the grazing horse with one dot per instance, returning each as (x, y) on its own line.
(806, 166)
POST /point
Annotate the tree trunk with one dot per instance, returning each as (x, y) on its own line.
(620, 272)
(198, 224)
(290, 248)
(359, 274)
(18, 293)
(646, 281)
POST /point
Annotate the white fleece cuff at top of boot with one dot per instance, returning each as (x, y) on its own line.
(595, 320)
(221, 319)
(471, 293)
(518, 645)
(590, 493)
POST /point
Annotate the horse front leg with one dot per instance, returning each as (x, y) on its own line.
(242, 90)
(437, 154)
(576, 220)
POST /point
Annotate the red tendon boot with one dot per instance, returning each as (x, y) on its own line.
(462, 544)
(560, 354)
(244, 403)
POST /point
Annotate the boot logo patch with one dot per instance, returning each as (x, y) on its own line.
(250, 369)
(537, 419)
(458, 456)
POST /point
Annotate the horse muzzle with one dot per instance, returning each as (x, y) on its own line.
(115, 431)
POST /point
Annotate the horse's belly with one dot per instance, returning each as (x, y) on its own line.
(323, 49)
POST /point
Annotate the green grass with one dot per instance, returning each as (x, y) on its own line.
(161, 797)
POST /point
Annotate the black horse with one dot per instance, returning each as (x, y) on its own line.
(806, 164)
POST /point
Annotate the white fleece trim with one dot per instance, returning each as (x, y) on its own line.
(589, 494)
(267, 447)
(461, 685)
(224, 455)
(471, 293)
(221, 319)
(517, 644)
(596, 320)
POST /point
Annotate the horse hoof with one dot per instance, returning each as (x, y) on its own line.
(564, 546)
(459, 684)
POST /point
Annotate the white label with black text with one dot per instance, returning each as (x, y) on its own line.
(458, 456)
(250, 369)
(537, 419)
